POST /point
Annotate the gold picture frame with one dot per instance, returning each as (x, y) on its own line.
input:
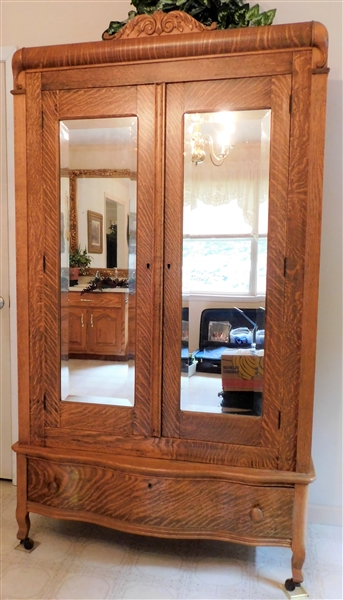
(95, 232)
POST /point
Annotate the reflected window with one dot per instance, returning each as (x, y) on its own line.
(226, 203)
(225, 244)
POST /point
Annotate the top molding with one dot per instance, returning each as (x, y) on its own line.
(160, 23)
(162, 36)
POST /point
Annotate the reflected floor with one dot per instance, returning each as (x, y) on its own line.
(112, 383)
(199, 393)
(98, 382)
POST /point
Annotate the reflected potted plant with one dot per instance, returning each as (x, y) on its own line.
(192, 364)
(79, 261)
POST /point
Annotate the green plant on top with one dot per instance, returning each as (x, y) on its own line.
(228, 14)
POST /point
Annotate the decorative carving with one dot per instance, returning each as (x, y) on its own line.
(160, 23)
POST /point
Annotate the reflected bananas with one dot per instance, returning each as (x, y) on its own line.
(248, 366)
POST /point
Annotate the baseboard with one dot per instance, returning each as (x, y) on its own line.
(325, 515)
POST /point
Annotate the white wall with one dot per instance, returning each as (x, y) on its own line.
(326, 491)
(52, 22)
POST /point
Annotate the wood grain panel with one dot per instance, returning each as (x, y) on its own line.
(160, 115)
(212, 453)
(96, 103)
(36, 232)
(96, 417)
(170, 71)
(311, 271)
(166, 504)
(238, 94)
(173, 261)
(274, 373)
(221, 428)
(22, 261)
(168, 468)
(295, 251)
(147, 265)
(242, 40)
(52, 301)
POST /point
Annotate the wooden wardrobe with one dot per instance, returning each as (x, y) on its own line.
(147, 464)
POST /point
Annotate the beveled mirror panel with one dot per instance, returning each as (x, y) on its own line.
(98, 164)
(225, 234)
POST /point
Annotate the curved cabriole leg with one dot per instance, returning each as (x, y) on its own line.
(22, 515)
(24, 524)
(298, 537)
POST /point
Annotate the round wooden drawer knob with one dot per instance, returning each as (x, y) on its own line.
(52, 487)
(256, 514)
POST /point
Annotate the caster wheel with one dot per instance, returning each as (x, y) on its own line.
(27, 543)
(290, 585)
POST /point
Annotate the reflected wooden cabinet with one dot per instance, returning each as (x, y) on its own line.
(131, 325)
(98, 324)
(78, 324)
(164, 463)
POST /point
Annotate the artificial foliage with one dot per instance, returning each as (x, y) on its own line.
(100, 283)
(227, 14)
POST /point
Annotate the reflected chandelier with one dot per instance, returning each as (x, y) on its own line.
(200, 141)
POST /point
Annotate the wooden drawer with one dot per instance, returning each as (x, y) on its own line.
(176, 506)
(110, 299)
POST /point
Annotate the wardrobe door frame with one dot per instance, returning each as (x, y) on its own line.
(60, 419)
(271, 92)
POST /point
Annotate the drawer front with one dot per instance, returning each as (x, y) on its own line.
(95, 299)
(175, 506)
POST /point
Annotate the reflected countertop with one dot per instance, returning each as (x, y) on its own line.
(85, 280)
(80, 287)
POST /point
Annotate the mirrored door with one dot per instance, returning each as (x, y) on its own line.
(99, 189)
(228, 302)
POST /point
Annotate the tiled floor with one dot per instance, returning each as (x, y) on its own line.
(88, 381)
(98, 381)
(83, 561)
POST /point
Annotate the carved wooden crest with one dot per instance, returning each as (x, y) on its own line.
(159, 23)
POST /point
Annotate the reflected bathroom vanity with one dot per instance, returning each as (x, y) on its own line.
(188, 162)
(96, 324)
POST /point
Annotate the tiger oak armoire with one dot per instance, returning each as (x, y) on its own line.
(201, 152)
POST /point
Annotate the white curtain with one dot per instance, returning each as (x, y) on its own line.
(244, 176)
